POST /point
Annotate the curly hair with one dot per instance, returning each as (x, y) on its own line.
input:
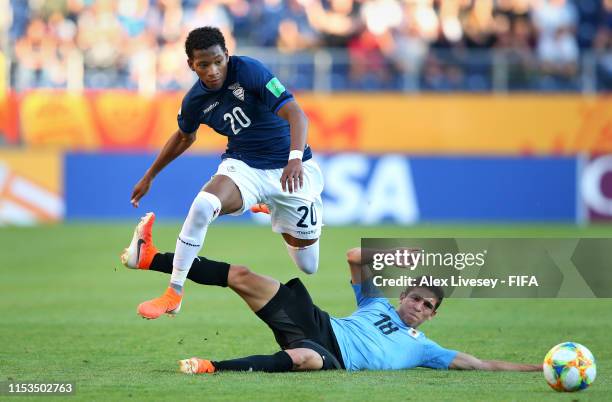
(203, 38)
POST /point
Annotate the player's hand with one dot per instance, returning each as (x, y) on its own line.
(140, 189)
(293, 175)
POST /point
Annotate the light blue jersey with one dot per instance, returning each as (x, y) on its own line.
(375, 338)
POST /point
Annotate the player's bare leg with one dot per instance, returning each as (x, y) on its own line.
(219, 196)
(256, 290)
(305, 359)
(304, 252)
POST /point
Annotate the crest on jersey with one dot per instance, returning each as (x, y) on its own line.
(237, 90)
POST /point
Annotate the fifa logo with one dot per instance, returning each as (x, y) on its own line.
(237, 90)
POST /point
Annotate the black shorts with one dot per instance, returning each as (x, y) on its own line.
(293, 318)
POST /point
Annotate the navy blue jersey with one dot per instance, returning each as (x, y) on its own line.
(244, 110)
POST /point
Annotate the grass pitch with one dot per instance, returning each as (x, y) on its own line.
(69, 314)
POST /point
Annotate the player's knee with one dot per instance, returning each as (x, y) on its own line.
(306, 258)
(309, 267)
(204, 209)
(305, 359)
(353, 255)
(298, 359)
(238, 276)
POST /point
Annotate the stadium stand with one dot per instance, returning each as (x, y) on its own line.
(324, 45)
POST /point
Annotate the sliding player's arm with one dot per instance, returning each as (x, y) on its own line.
(358, 257)
(464, 361)
(353, 258)
(178, 143)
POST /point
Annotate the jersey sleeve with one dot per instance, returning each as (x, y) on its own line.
(361, 297)
(437, 357)
(187, 118)
(257, 78)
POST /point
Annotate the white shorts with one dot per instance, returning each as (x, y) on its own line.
(298, 214)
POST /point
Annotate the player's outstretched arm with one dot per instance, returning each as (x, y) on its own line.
(176, 145)
(357, 257)
(464, 361)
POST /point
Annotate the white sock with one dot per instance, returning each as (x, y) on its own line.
(306, 258)
(204, 209)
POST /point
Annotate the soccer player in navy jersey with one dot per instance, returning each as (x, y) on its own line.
(267, 159)
(377, 336)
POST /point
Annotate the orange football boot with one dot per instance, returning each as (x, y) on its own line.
(196, 366)
(140, 252)
(260, 208)
(168, 303)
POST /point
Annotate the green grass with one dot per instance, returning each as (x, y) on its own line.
(69, 314)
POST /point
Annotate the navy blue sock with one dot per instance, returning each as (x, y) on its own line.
(203, 270)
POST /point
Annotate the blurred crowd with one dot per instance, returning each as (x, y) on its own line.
(439, 45)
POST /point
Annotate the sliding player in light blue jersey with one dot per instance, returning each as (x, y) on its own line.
(267, 160)
(377, 336)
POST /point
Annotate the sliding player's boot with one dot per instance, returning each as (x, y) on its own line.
(196, 366)
(140, 252)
